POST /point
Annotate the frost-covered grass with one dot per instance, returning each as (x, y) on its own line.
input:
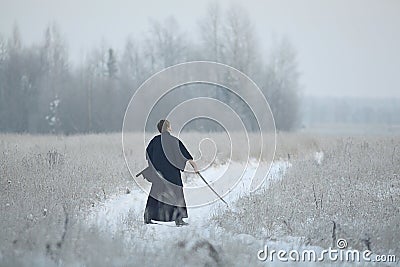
(349, 189)
(50, 187)
(47, 179)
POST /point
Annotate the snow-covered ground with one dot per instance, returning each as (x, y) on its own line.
(110, 215)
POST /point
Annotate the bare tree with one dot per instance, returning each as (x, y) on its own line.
(3, 99)
(54, 62)
(240, 48)
(15, 43)
(228, 37)
(281, 85)
(112, 68)
(15, 116)
(165, 44)
(132, 65)
(211, 33)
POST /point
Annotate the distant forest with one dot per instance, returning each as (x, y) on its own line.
(41, 91)
(369, 115)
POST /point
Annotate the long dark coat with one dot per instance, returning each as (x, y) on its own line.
(166, 155)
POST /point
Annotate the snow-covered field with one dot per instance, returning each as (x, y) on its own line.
(203, 232)
(64, 202)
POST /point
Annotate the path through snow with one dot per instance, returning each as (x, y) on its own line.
(110, 215)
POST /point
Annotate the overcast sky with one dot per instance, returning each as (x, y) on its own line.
(344, 47)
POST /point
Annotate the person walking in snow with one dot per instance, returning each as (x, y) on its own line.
(167, 157)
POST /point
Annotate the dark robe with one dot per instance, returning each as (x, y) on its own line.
(167, 157)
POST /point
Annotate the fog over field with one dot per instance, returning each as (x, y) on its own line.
(289, 112)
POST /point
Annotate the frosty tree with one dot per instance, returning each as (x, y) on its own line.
(53, 118)
(281, 85)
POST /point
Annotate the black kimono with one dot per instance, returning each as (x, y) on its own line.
(166, 155)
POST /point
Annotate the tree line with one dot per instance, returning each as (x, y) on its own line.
(41, 91)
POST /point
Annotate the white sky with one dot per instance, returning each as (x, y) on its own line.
(345, 47)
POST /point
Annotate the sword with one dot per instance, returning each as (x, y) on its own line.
(201, 176)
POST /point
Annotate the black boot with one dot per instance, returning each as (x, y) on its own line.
(147, 220)
(180, 222)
